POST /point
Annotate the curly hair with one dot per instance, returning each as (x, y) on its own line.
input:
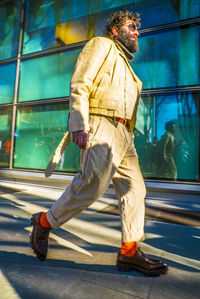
(118, 18)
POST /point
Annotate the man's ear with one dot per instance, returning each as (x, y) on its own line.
(115, 31)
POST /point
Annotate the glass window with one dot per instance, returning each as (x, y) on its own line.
(7, 82)
(169, 58)
(39, 130)
(9, 28)
(54, 23)
(168, 141)
(160, 12)
(5, 136)
(46, 77)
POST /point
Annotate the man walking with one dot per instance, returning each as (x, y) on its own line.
(104, 96)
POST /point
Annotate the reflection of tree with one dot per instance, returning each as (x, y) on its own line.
(176, 6)
(58, 18)
(146, 116)
(93, 10)
(188, 116)
(185, 110)
(152, 109)
(184, 6)
(8, 20)
(35, 9)
(68, 29)
(188, 107)
(8, 17)
(58, 7)
(5, 135)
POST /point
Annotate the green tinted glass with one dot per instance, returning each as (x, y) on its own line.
(5, 136)
(39, 130)
(9, 28)
(160, 12)
(54, 23)
(168, 141)
(7, 82)
(169, 59)
(46, 77)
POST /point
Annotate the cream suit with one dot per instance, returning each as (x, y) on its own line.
(104, 87)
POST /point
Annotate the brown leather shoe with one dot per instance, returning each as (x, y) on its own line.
(140, 262)
(39, 237)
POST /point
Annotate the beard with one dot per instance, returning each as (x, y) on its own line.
(127, 41)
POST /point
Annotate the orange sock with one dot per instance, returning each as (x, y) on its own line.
(44, 221)
(129, 248)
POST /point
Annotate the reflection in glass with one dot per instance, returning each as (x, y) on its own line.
(48, 77)
(162, 62)
(5, 136)
(9, 28)
(7, 82)
(39, 130)
(157, 12)
(54, 23)
(166, 149)
(168, 141)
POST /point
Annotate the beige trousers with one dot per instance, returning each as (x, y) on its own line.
(110, 155)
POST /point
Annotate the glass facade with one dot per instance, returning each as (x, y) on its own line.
(55, 23)
(49, 76)
(7, 82)
(162, 62)
(9, 28)
(168, 135)
(39, 130)
(36, 65)
(5, 136)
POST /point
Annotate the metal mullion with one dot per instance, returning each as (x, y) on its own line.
(16, 85)
(9, 60)
(174, 25)
(171, 90)
(44, 101)
(82, 43)
(54, 50)
(77, 45)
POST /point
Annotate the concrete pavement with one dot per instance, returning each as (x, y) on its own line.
(82, 254)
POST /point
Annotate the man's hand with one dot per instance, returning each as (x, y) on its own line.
(80, 139)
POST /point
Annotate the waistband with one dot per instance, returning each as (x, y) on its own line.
(118, 119)
(121, 120)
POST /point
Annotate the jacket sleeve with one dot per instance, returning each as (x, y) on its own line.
(87, 67)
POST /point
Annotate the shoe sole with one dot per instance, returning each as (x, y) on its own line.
(41, 257)
(126, 268)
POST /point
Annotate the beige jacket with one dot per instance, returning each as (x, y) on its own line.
(103, 83)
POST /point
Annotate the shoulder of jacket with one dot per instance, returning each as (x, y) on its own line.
(102, 41)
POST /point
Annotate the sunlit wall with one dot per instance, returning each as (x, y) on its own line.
(37, 61)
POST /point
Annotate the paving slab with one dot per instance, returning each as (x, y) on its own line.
(177, 284)
(82, 254)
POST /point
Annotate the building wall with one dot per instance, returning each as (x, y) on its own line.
(37, 61)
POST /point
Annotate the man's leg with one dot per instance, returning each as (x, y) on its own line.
(130, 190)
(86, 187)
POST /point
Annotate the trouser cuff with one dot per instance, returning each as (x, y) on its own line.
(133, 238)
(53, 222)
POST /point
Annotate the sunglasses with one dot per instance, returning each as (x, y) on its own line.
(132, 27)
